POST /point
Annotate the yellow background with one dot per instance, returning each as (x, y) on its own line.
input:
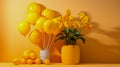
(103, 42)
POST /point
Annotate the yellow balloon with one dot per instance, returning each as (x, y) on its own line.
(39, 24)
(57, 25)
(48, 26)
(48, 13)
(34, 7)
(57, 19)
(26, 53)
(35, 37)
(32, 17)
(24, 28)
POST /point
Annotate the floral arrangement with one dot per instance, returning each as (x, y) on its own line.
(73, 28)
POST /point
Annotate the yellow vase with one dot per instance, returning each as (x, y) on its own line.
(70, 54)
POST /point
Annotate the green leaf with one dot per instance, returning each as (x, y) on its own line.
(59, 34)
(70, 36)
(77, 34)
(83, 40)
(60, 38)
(75, 38)
(67, 31)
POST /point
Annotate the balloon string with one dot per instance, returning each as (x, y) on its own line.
(52, 41)
(43, 39)
(49, 41)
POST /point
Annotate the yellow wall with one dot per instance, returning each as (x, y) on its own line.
(103, 43)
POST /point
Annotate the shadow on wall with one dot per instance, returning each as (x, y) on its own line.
(95, 51)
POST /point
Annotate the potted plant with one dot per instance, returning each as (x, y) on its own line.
(70, 52)
(72, 31)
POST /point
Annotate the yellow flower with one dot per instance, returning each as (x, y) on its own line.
(81, 15)
(71, 18)
(85, 20)
(66, 24)
(76, 24)
(68, 12)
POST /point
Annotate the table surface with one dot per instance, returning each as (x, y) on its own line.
(59, 65)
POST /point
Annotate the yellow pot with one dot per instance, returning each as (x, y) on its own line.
(70, 54)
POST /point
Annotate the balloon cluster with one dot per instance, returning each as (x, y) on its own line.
(29, 57)
(44, 22)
